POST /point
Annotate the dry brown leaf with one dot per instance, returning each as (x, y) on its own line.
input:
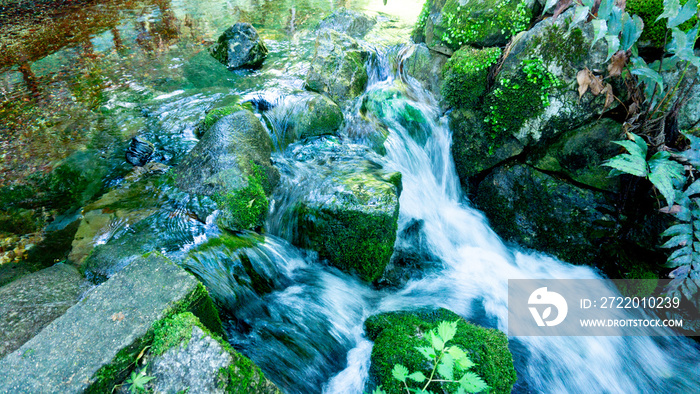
(609, 97)
(562, 5)
(634, 108)
(583, 80)
(118, 316)
(596, 84)
(617, 63)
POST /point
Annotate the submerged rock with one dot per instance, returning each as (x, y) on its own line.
(397, 334)
(186, 356)
(338, 67)
(240, 46)
(139, 151)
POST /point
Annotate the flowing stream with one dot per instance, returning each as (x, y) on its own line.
(307, 334)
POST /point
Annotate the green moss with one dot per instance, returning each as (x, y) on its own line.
(172, 332)
(649, 11)
(396, 335)
(513, 101)
(475, 22)
(640, 283)
(233, 241)
(465, 75)
(245, 208)
(561, 47)
(215, 114)
(243, 376)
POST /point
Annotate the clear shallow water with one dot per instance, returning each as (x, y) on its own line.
(305, 331)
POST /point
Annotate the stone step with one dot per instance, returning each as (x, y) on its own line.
(95, 343)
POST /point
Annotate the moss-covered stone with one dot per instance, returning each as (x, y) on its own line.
(465, 76)
(426, 66)
(481, 23)
(214, 115)
(397, 334)
(580, 153)
(353, 225)
(244, 208)
(338, 67)
(541, 212)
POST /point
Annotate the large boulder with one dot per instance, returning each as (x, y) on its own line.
(28, 304)
(545, 213)
(349, 211)
(338, 67)
(95, 343)
(303, 115)
(231, 163)
(352, 23)
(481, 23)
(240, 46)
(396, 336)
(186, 356)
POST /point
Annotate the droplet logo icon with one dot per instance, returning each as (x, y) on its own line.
(543, 297)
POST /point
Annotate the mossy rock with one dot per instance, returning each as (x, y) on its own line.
(535, 95)
(354, 225)
(352, 23)
(465, 76)
(545, 213)
(213, 116)
(425, 66)
(397, 334)
(480, 23)
(184, 353)
(580, 153)
(303, 115)
(338, 67)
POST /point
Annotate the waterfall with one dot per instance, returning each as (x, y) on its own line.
(307, 333)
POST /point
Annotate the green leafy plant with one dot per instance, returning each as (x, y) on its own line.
(447, 363)
(138, 380)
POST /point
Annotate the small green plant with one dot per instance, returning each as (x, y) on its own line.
(463, 28)
(447, 362)
(137, 381)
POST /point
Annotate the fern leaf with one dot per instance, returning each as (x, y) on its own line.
(664, 173)
(679, 240)
(676, 229)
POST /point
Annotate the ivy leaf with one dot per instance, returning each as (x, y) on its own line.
(615, 21)
(447, 330)
(417, 377)
(400, 372)
(613, 45)
(472, 383)
(682, 45)
(671, 8)
(663, 173)
(631, 30)
(580, 15)
(693, 153)
(600, 28)
(605, 8)
(687, 12)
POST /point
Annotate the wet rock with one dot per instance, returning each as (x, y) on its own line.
(29, 304)
(579, 154)
(391, 109)
(231, 163)
(303, 115)
(352, 23)
(350, 212)
(425, 66)
(338, 67)
(187, 356)
(395, 341)
(94, 344)
(240, 46)
(480, 23)
(139, 151)
(541, 212)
